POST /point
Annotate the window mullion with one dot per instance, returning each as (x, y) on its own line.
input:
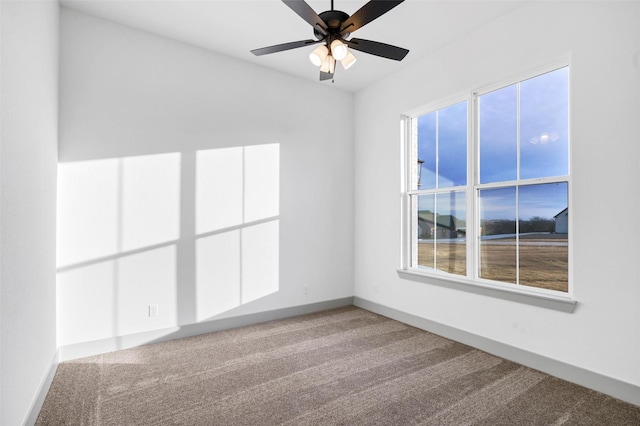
(413, 236)
(409, 242)
(473, 221)
(435, 222)
(411, 133)
(517, 235)
(524, 182)
(444, 190)
(437, 150)
(518, 132)
(518, 160)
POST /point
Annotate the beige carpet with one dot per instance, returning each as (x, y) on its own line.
(344, 366)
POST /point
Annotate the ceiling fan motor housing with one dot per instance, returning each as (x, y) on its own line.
(333, 20)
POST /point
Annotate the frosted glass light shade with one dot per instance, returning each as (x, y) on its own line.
(339, 50)
(348, 60)
(328, 65)
(318, 55)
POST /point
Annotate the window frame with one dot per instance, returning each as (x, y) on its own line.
(554, 299)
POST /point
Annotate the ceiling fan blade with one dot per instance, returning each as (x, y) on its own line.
(367, 13)
(379, 49)
(325, 76)
(308, 14)
(283, 46)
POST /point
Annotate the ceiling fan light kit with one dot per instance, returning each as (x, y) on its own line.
(338, 50)
(348, 61)
(317, 56)
(332, 29)
(328, 65)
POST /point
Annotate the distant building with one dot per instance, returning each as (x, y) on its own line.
(447, 226)
(562, 222)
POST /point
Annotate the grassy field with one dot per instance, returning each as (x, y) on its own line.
(542, 266)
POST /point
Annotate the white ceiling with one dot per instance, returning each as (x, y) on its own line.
(234, 27)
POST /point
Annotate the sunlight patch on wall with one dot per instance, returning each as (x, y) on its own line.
(150, 200)
(262, 182)
(218, 273)
(106, 207)
(260, 260)
(119, 235)
(85, 300)
(237, 208)
(146, 278)
(87, 210)
(118, 224)
(111, 298)
(219, 174)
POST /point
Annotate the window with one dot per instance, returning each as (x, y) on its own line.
(488, 186)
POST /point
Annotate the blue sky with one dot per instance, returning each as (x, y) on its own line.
(541, 104)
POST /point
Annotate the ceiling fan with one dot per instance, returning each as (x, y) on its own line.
(332, 29)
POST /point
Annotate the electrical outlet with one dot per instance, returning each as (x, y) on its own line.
(153, 310)
(376, 289)
(306, 289)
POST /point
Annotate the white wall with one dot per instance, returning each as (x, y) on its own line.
(603, 40)
(192, 181)
(28, 156)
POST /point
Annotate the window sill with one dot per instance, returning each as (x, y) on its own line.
(558, 303)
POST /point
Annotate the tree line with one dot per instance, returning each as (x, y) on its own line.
(508, 226)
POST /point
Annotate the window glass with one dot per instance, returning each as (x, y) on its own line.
(544, 122)
(452, 146)
(442, 147)
(451, 230)
(498, 257)
(498, 135)
(427, 154)
(543, 239)
(426, 230)
(441, 229)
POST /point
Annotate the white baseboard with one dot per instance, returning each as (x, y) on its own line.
(84, 349)
(36, 406)
(618, 389)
